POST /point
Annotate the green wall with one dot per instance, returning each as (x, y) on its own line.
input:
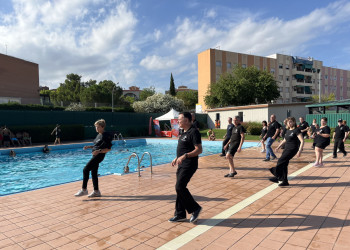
(129, 124)
(332, 118)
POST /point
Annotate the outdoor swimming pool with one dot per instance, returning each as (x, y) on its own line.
(33, 170)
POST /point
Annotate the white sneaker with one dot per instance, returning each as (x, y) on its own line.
(95, 193)
(82, 192)
(262, 151)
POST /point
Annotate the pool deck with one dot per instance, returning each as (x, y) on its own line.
(244, 212)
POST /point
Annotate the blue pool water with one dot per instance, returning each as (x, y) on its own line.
(33, 170)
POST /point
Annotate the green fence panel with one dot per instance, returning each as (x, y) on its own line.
(332, 118)
(129, 124)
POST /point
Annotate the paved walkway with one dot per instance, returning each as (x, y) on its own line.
(245, 212)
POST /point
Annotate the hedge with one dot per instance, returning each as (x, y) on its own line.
(42, 134)
(252, 128)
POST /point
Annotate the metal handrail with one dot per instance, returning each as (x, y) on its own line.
(150, 158)
(138, 161)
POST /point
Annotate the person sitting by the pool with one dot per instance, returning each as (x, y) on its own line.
(14, 140)
(211, 135)
(46, 149)
(12, 153)
(19, 137)
(102, 145)
(26, 138)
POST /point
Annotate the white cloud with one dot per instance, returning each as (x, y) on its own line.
(211, 13)
(155, 62)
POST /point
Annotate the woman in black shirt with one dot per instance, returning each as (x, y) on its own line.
(263, 133)
(294, 143)
(322, 140)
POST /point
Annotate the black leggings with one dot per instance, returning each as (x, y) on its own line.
(92, 166)
(281, 169)
(338, 143)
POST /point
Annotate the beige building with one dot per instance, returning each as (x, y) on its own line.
(19, 80)
(256, 113)
(133, 92)
(297, 78)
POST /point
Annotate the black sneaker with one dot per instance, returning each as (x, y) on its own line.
(284, 184)
(267, 159)
(345, 154)
(227, 175)
(334, 157)
(232, 174)
(273, 157)
(195, 215)
(222, 155)
(177, 218)
(273, 179)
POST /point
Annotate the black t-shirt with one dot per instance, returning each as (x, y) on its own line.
(284, 130)
(103, 141)
(195, 124)
(303, 126)
(272, 129)
(58, 132)
(186, 143)
(229, 130)
(323, 140)
(340, 132)
(313, 128)
(236, 134)
(263, 131)
(291, 137)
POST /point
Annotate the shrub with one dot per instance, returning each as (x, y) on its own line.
(158, 103)
(17, 106)
(75, 107)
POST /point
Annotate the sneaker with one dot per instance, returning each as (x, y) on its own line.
(273, 179)
(273, 157)
(345, 154)
(222, 155)
(177, 218)
(315, 164)
(95, 193)
(82, 192)
(267, 159)
(262, 151)
(232, 174)
(334, 156)
(195, 215)
(226, 175)
(284, 184)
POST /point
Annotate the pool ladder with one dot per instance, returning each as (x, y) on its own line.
(139, 161)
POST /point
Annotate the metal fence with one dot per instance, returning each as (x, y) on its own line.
(332, 118)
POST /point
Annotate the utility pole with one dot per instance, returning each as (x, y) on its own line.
(113, 97)
(319, 86)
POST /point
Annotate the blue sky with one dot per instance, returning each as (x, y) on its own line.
(141, 42)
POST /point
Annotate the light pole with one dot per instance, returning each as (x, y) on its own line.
(113, 96)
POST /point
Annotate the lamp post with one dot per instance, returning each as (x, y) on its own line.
(113, 97)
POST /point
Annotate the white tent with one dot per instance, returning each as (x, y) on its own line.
(172, 114)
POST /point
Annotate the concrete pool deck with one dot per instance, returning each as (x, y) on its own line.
(245, 212)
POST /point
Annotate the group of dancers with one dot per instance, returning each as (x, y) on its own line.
(190, 147)
(292, 144)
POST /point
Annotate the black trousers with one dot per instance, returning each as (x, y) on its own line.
(281, 169)
(92, 166)
(184, 199)
(224, 143)
(338, 143)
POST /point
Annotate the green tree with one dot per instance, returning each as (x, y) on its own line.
(190, 98)
(172, 90)
(69, 90)
(146, 92)
(242, 87)
(158, 103)
(324, 98)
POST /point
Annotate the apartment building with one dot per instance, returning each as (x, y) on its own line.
(298, 78)
(19, 80)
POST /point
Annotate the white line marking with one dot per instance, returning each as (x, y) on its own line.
(200, 229)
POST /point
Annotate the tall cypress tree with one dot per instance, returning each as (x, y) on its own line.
(172, 86)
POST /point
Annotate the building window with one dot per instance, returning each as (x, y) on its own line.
(341, 79)
(286, 89)
(280, 78)
(280, 66)
(335, 78)
(244, 66)
(272, 70)
(287, 66)
(218, 63)
(228, 65)
(326, 77)
(287, 78)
